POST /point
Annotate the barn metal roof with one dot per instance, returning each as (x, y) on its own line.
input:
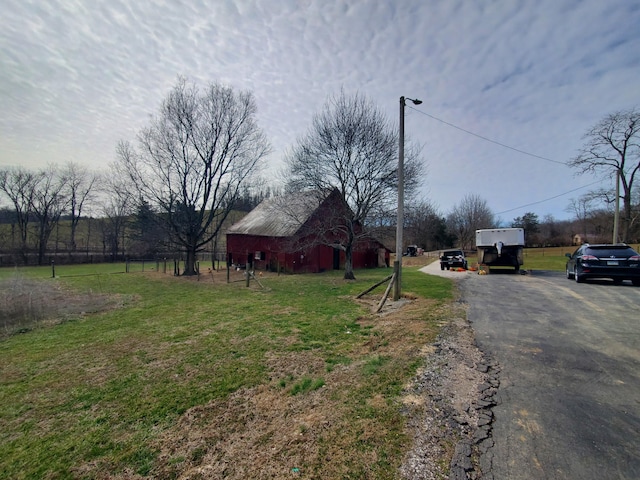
(280, 216)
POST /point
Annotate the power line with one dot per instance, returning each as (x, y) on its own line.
(547, 199)
(515, 150)
(485, 138)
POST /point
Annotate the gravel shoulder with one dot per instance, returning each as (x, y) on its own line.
(454, 396)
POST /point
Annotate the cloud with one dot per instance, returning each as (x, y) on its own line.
(76, 77)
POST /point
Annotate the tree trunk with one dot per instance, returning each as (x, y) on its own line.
(72, 240)
(44, 233)
(115, 246)
(190, 262)
(42, 250)
(24, 247)
(626, 220)
(348, 263)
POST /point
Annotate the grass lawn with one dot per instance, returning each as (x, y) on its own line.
(146, 375)
(550, 258)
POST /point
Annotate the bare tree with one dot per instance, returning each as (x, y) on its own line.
(146, 238)
(471, 214)
(426, 226)
(18, 184)
(351, 147)
(80, 190)
(583, 208)
(550, 232)
(193, 160)
(613, 147)
(48, 202)
(117, 206)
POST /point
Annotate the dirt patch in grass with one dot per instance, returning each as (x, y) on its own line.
(27, 303)
(270, 432)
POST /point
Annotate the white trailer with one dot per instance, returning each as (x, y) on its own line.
(500, 247)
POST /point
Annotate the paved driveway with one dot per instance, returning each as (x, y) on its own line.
(569, 396)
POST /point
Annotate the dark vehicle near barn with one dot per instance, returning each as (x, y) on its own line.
(453, 259)
(412, 251)
(618, 262)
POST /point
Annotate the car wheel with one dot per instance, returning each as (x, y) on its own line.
(569, 274)
(576, 277)
(441, 266)
(636, 282)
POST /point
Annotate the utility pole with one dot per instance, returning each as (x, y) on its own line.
(397, 265)
(616, 215)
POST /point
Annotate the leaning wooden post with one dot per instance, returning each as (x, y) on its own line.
(375, 286)
(253, 275)
(386, 293)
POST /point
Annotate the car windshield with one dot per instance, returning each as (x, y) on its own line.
(452, 253)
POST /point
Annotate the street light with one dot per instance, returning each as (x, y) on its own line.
(397, 265)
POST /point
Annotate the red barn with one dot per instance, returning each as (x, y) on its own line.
(300, 233)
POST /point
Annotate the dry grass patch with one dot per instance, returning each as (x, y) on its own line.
(27, 303)
(341, 430)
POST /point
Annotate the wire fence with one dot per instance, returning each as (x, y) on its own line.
(166, 266)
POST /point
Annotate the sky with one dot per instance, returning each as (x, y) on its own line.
(503, 83)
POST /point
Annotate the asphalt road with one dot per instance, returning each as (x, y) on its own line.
(569, 395)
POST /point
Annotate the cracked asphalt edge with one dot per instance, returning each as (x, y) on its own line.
(449, 407)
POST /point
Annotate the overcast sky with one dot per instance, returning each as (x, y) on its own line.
(77, 76)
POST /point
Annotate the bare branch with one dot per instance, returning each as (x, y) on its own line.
(351, 147)
(613, 147)
(193, 159)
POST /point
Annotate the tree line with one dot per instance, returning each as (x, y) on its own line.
(432, 230)
(75, 215)
(199, 161)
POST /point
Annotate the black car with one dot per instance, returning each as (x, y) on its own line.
(452, 259)
(615, 261)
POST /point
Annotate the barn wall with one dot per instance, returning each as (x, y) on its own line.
(319, 258)
(242, 249)
(311, 260)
